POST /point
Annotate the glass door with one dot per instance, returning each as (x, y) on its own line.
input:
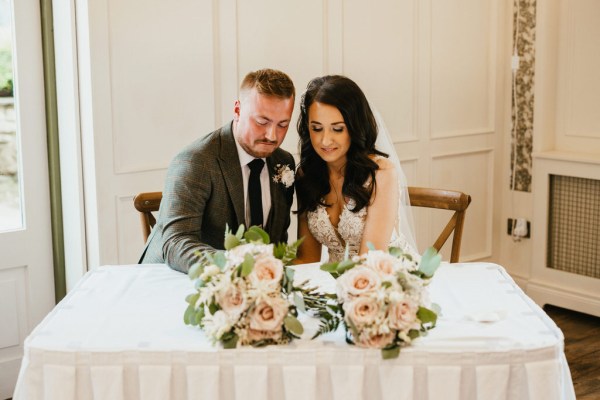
(26, 265)
(10, 192)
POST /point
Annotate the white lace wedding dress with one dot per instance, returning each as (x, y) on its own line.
(349, 232)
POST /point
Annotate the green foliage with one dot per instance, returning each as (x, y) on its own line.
(390, 352)
(292, 324)
(430, 261)
(247, 265)
(229, 340)
(337, 269)
(255, 234)
(286, 253)
(6, 73)
(428, 318)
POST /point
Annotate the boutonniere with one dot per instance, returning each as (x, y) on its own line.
(284, 175)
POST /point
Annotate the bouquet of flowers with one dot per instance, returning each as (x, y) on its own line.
(381, 299)
(242, 293)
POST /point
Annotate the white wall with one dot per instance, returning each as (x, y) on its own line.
(155, 75)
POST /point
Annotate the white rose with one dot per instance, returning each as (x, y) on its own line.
(287, 177)
(268, 314)
(357, 281)
(403, 314)
(381, 262)
(268, 271)
(210, 271)
(217, 325)
(236, 255)
(232, 301)
(362, 310)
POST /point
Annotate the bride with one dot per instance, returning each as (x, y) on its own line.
(350, 193)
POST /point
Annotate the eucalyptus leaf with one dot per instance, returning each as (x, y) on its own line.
(289, 274)
(390, 352)
(197, 319)
(430, 261)
(195, 271)
(220, 260)
(329, 267)
(370, 246)
(427, 316)
(279, 250)
(230, 341)
(199, 283)
(257, 234)
(247, 265)
(299, 302)
(188, 314)
(395, 251)
(293, 325)
(413, 334)
(191, 299)
(231, 241)
(252, 236)
(240, 232)
(213, 308)
(345, 266)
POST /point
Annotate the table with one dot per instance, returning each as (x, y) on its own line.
(119, 334)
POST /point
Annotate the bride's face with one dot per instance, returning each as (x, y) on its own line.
(328, 133)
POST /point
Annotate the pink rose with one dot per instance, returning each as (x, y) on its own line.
(357, 281)
(232, 300)
(267, 270)
(268, 314)
(381, 262)
(402, 315)
(378, 341)
(362, 310)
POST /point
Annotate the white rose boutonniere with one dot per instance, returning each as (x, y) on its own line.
(284, 175)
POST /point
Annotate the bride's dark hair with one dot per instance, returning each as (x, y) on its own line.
(312, 177)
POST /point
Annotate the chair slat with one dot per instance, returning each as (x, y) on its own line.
(444, 200)
(147, 203)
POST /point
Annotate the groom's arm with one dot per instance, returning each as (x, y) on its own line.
(186, 192)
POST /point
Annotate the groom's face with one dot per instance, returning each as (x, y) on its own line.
(261, 122)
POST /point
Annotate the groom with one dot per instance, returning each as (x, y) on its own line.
(208, 182)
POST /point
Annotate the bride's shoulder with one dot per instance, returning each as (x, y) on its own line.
(383, 163)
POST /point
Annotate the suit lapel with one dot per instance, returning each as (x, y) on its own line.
(232, 172)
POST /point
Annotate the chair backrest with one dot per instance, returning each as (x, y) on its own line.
(445, 200)
(146, 204)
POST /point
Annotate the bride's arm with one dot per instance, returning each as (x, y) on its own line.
(383, 210)
(310, 249)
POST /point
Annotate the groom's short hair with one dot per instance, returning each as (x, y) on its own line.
(269, 82)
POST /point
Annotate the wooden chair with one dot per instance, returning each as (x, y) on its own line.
(146, 204)
(445, 200)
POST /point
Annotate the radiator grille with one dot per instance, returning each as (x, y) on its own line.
(574, 225)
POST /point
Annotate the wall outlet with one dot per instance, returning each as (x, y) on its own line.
(522, 227)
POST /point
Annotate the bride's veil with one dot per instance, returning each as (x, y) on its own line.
(405, 223)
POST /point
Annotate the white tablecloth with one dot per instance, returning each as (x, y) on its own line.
(119, 334)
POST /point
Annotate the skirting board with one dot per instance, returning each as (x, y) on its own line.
(543, 294)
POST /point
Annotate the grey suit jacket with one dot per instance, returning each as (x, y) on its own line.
(204, 192)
